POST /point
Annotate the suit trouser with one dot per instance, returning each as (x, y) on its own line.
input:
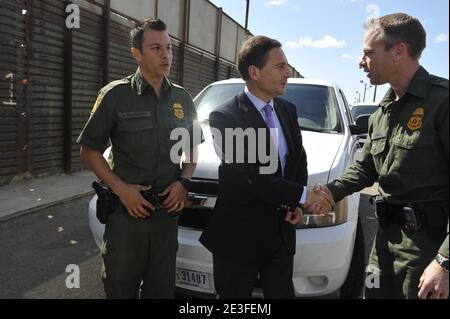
(398, 259)
(139, 251)
(235, 277)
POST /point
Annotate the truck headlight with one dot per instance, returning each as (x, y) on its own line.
(337, 215)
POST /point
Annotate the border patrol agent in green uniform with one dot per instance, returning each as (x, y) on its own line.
(137, 115)
(406, 152)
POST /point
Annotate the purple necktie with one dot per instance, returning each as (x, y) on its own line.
(268, 110)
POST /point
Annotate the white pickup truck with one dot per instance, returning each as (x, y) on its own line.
(330, 250)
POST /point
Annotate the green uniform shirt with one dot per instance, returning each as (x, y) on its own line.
(406, 150)
(138, 124)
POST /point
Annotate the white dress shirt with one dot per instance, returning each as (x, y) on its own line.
(279, 138)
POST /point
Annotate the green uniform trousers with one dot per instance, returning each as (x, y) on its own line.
(399, 257)
(139, 255)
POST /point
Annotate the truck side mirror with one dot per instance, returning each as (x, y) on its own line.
(361, 125)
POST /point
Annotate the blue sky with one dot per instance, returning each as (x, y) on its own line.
(323, 38)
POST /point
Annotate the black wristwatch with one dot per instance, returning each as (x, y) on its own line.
(442, 261)
(186, 183)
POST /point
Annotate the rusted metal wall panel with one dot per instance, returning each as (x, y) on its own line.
(198, 70)
(48, 108)
(87, 76)
(14, 122)
(47, 86)
(121, 62)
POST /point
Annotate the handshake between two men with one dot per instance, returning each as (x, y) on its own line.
(319, 201)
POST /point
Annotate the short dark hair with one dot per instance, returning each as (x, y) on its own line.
(254, 52)
(137, 33)
(401, 27)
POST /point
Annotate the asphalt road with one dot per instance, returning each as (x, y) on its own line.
(37, 248)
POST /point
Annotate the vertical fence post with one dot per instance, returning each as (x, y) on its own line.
(185, 38)
(237, 46)
(106, 27)
(247, 7)
(217, 49)
(26, 86)
(68, 42)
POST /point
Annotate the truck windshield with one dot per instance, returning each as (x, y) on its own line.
(317, 106)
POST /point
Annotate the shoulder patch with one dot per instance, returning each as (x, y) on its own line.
(98, 101)
(104, 90)
(113, 84)
(177, 86)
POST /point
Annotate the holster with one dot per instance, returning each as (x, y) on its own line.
(107, 201)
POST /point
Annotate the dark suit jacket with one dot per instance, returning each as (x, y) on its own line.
(248, 219)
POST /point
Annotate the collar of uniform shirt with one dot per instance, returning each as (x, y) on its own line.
(417, 87)
(419, 83)
(257, 102)
(142, 84)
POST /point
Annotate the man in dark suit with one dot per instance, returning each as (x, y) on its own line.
(252, 229)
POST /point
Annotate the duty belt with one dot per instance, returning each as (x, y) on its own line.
(410, 216)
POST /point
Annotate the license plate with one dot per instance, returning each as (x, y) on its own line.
(193, 278)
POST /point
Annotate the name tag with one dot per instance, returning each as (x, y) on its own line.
(134, 115)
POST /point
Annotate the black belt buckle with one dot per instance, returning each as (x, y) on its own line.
(411, 220)
(157, 201)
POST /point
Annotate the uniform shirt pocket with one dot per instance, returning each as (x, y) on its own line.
(135, 121)
(412, 153)
(136, 131)
(378, 145)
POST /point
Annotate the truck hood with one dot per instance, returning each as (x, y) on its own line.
(321, 150)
